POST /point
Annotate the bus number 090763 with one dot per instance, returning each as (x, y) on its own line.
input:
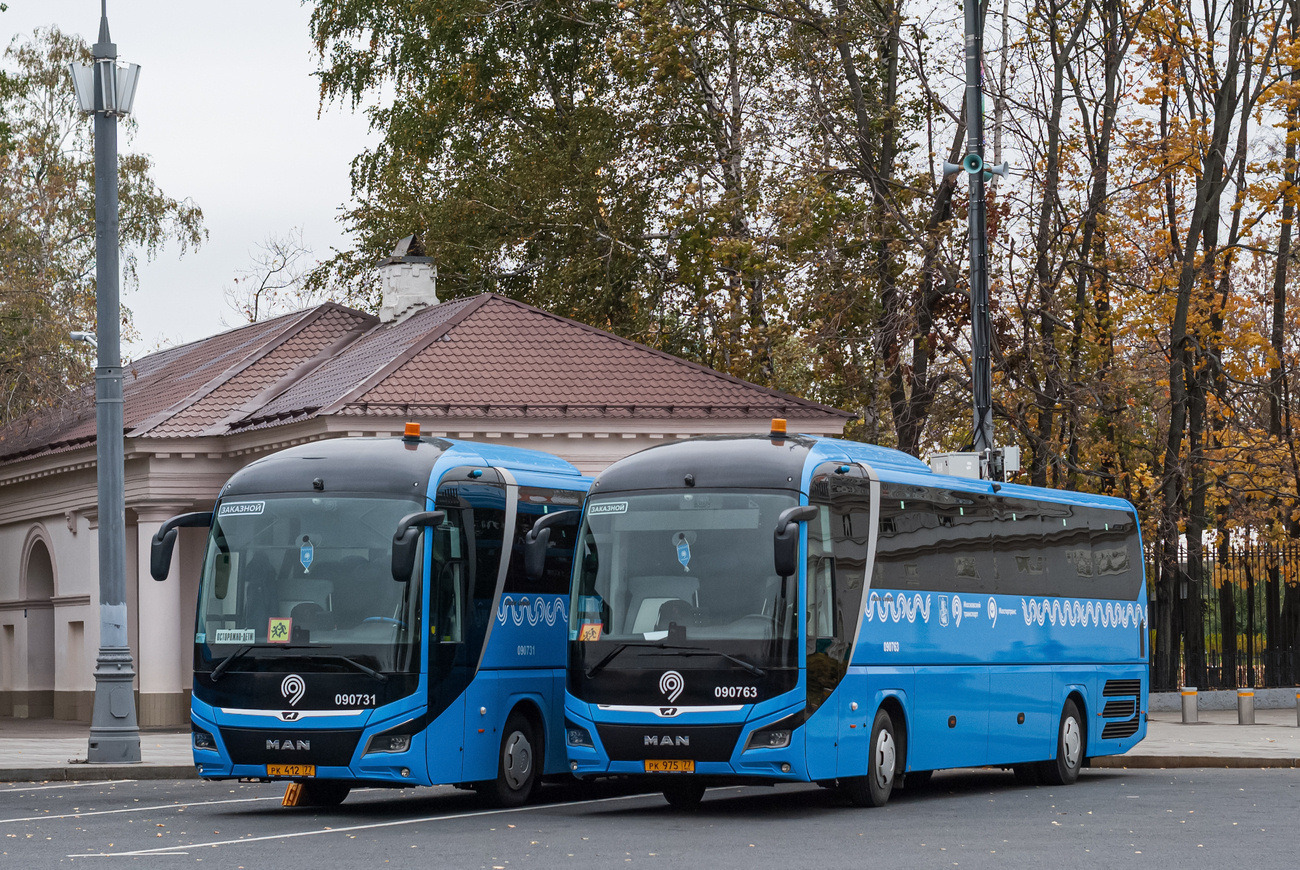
(735, 692)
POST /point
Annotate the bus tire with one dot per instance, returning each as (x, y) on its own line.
(1071, 742)
(323, 793)
(684, 795)
(519, 764)
(873, 789)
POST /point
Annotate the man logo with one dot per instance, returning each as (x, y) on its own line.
(292, 745)
(671, 684)
(293, 687)
(289, 715)
(667, 712)
(667, 740)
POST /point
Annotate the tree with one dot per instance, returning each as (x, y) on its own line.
(47, 224)
(275, 282)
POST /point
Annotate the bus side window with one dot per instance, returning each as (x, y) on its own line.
(821, 582)
(449, 582)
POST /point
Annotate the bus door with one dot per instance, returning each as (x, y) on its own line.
(838, 544)
(463, 581)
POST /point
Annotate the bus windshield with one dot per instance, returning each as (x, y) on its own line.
(684, 566)
(311, 573)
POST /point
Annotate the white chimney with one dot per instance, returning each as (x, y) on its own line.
(409, 281)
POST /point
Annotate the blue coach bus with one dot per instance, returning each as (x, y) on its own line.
(773, 608)
(366, 618)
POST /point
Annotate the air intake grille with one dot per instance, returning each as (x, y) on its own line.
(1121, 687)
(1119, 709)
(1115, 730)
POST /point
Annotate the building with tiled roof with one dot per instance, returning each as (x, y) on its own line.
(485, 368)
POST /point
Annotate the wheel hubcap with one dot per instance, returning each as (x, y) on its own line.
(1071, 742)
(517, 760)
(885, 759)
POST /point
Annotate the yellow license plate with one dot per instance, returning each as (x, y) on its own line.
(291, 770)
(669, 765)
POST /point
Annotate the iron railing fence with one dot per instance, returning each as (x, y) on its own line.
(1247, 598)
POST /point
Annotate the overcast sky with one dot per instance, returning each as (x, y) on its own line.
(226, 108)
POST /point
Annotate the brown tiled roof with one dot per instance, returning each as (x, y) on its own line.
(502, 358)
(486, 357)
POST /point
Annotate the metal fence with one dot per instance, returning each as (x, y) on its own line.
(1248, 600)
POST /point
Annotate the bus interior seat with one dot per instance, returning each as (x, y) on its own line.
(649, 596)
(305, 590)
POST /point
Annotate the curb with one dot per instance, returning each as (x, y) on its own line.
(97, 772)
(1150, 762)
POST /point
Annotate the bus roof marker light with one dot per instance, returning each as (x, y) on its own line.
(778, 428)
(411, 433)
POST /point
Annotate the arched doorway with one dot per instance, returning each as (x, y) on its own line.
(38, 700)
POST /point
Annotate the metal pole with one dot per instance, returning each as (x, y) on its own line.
(981, 330)
(114, 732)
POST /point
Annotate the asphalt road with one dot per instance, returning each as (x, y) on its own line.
(967, 818)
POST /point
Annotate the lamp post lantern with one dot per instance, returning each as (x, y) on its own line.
(106, 91)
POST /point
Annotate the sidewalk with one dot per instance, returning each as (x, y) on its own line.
(40, 750)
(34, 750)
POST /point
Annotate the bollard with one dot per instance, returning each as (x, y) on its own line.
(1245, 706)
(1189, 705)
(1297, 709)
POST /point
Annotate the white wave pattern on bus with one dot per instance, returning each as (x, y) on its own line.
(535, 610)
(1106, 614)
(898, 607)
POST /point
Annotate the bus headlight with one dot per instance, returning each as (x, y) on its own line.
(388, 743)
(203, 739)
(396, 739)
(576, 735)
(774, 736)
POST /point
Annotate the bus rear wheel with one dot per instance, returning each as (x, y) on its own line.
(1071, 743)
(873, 789)
(684, 795)
(519, 764)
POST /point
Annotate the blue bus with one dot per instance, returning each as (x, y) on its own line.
(795, 609)
(368, 616)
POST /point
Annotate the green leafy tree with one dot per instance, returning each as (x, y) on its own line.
(47, 223)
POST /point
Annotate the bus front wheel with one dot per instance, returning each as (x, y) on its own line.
(519, 764)
(684, 795)
(323, 793)
(873, 789)
(1070, 748)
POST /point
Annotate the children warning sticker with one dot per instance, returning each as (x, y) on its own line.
(279, 629)
(589, 631)
(233, 635)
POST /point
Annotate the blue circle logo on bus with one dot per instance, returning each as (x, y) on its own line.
(671, 684)
(993, 611)
(293, 687)
(956, 610)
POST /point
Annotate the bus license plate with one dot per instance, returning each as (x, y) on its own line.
(291, 770)
(669, 765)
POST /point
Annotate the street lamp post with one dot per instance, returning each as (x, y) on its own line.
(106, 91)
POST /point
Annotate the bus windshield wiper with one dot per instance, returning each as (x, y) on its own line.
(688, 650)
(245, 650)
(365, 669)
(705, 651)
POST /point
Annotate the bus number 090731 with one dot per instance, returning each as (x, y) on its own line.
(354, 700)
(735, 692)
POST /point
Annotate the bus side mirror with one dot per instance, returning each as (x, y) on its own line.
(785, 541)
(537, 540)
(407, 538)
(164, 540)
